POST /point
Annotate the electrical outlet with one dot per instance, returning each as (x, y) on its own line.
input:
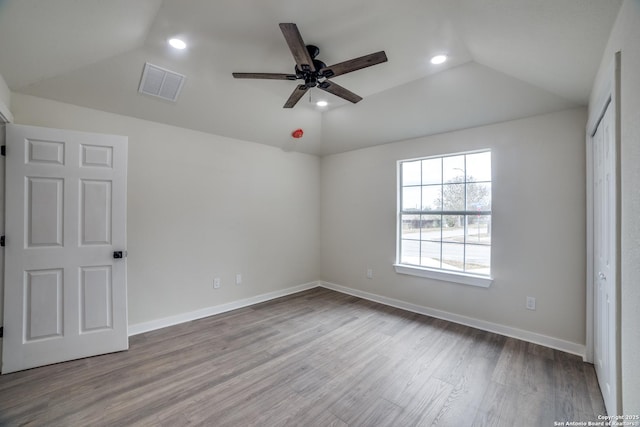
(216, 283)
(531, 303)
(238, 278)
(369, 273)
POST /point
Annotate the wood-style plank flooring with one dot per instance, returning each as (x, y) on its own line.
(316, 358)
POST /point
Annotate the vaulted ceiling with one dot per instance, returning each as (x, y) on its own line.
(507, 59)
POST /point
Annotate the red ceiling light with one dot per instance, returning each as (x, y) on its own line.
(297, 133)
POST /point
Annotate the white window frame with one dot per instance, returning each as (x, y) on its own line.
(461, 277)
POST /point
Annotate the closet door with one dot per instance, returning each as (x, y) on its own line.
(604, 253)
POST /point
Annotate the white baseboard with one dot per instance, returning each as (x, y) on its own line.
(152, 325)
(533, 337)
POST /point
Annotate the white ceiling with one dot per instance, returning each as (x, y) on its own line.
(508, 59)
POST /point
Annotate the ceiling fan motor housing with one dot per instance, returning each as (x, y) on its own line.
(314, 72)
(311, 77)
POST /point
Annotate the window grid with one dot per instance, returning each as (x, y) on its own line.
(463, 216)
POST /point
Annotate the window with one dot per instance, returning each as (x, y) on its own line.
(444, 217)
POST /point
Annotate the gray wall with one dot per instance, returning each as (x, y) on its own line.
(202, 206)
(538, 230)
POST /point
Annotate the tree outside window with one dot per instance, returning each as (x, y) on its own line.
(445, 213)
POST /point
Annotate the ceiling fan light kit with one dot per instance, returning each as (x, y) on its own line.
(314, 72)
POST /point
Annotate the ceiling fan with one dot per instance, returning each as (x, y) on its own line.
(314, 72)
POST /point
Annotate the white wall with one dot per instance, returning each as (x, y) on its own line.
(538, 224)
(625, 37)
(201, 206)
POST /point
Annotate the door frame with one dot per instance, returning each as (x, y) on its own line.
(608, 95)
(5, 117)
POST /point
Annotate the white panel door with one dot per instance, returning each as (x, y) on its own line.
(65, 292)
(604, 248)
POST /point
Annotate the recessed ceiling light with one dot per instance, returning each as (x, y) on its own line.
(322, 103)
(177, 44)
(438, 59)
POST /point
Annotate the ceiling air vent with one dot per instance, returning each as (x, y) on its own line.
(157, 81)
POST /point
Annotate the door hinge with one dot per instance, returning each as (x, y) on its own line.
(2, 241)
(3, 150)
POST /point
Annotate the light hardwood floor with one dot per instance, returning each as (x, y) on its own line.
(316, 358)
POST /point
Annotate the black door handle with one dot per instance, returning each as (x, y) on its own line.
(117, 255)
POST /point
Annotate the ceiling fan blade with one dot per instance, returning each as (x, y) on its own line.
(354, 64)
(298, 93)
(272, 76)
(338, 90)
(297, 47)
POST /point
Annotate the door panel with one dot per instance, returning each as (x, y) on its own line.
(65, 295)
(95, 212)
(97, 156)
(51, 152)
(44, 212)
(96, 291)
(43, 289)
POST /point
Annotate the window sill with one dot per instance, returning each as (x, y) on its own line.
(447, 276)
